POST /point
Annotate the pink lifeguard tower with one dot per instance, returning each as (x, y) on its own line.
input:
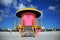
(28, 23)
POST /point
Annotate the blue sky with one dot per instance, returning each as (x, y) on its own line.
(50, 10)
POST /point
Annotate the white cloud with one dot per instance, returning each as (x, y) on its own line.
(32, 6)
(15, 4)
(1, 11)
(29, 0)
(7, 2)
(20, 6)
(51, 8)
(55, 8)
(0, 19)
(4, 13)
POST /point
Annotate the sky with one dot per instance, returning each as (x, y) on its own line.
(50, 12)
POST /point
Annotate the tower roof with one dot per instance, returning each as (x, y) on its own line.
(33, 10)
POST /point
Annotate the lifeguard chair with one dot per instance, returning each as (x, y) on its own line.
(27, 27)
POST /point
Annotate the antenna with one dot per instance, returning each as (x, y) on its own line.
(41, 23)
(15, 25)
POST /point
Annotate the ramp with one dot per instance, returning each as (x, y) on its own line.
(27, 32)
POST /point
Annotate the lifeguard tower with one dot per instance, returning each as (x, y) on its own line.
(28, 27)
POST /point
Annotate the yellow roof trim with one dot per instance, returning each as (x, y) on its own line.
(28, 9)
